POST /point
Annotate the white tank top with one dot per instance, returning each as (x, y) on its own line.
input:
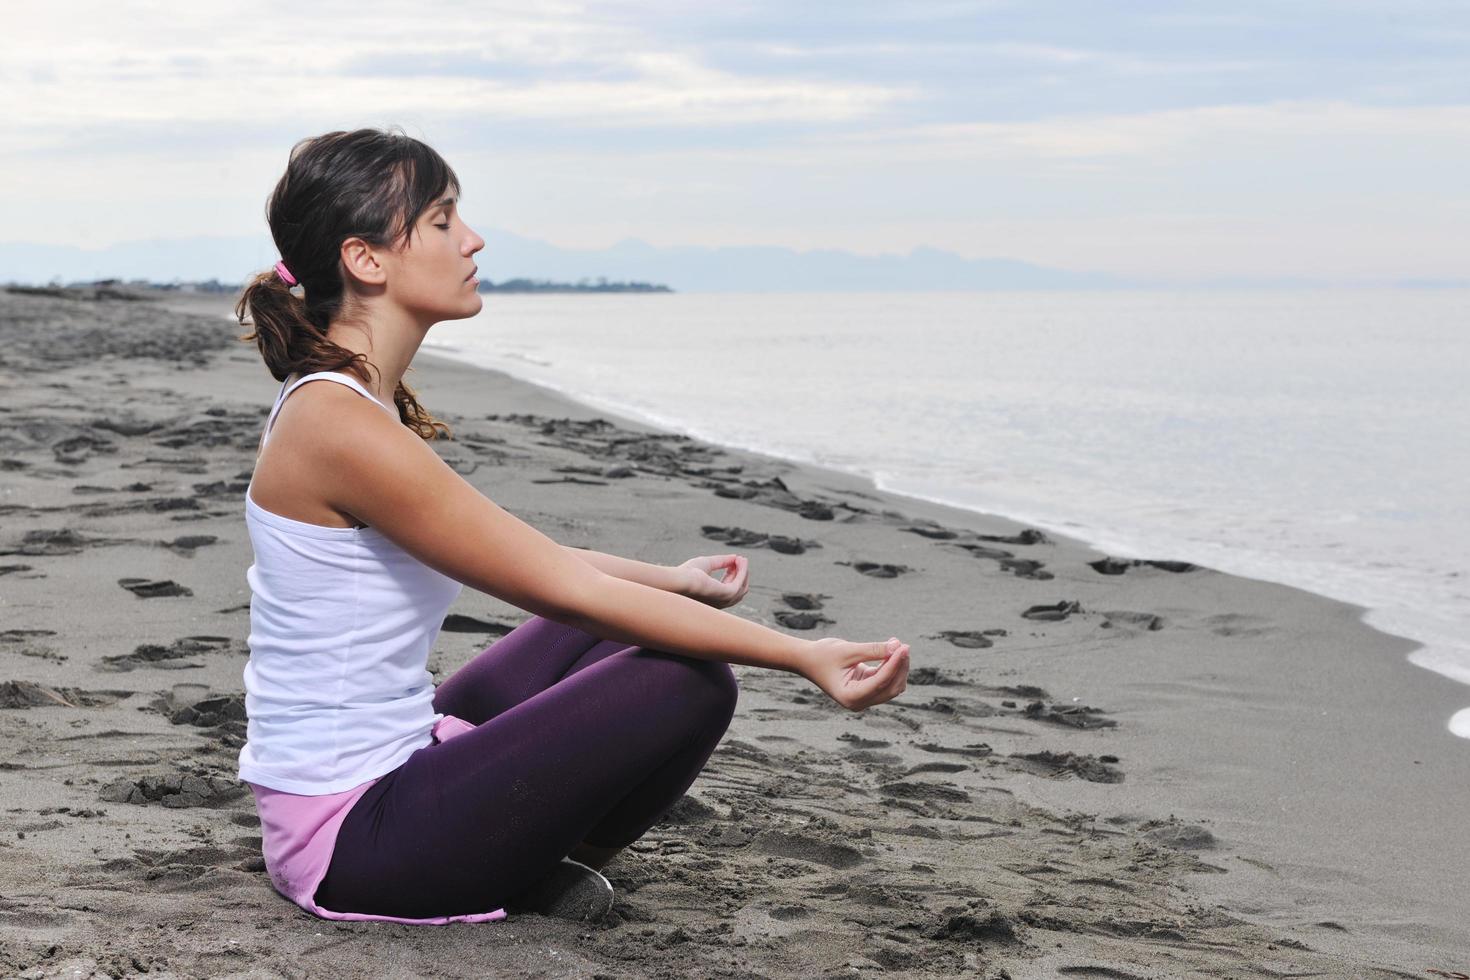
(337, 690)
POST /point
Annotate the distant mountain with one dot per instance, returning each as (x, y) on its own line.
(683, 268)
(509, 256)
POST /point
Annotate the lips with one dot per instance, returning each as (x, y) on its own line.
(473, 272)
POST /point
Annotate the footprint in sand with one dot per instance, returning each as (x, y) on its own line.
(806, 847)
(802, 620)
(129, 425)
(1054, 613)
(203, 787)
(1026, 568)
(145, 589)
(938, 532)
(1020, 567)
(922, 798)
(1092, 971)
(26, 694)
(1140, 620)
(688, 810)
(80, 448)
(1026, 536)
(858, 742)
(773, 492)
(1179, 835)
(1117, 566)
(171, 657)
(194, 704)
(172, 870)
(933, 532)
(934, 676)
(980, 925)
(23, 638)
(740, 537)
(185, 545)
(51, 543)
(937, 767)
(876, 569)
(1028, 691)
(969, 639)
(1239, 624)
(152, 505)
(1070, 715)
(1094, 769)
(224, 488)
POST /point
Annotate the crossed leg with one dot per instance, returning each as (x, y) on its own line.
(581, 745)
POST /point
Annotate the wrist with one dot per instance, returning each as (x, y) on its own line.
(797, 655)
(677, 579)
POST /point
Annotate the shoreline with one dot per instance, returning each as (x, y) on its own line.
(1424, 654)
(1187, 772)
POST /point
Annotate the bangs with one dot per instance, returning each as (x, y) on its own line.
(420, 179)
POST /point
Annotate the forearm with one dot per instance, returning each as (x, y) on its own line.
(632, 613)
(630, 570)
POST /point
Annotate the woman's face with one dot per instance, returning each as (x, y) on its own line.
(434, 275)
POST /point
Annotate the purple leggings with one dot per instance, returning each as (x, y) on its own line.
(577, 739)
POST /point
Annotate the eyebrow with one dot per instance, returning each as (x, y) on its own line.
(447, 202)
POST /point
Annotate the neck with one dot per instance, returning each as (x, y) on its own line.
(388, 341)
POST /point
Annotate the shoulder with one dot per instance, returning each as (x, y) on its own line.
(323, 406)
(326, 421)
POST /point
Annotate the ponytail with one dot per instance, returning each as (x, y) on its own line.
(293, 340)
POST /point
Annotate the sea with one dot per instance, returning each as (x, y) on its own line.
(1316, 438)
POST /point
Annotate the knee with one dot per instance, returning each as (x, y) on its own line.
(726, 687)
(712, 687)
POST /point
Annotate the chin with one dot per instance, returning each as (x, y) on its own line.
(464, 312)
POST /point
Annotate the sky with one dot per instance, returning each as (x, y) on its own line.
(1174, 140)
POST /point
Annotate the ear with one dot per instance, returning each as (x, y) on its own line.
(361, 261)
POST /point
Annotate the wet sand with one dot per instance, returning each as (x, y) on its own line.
(1101, 768)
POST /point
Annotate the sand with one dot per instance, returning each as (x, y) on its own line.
(1100, 768)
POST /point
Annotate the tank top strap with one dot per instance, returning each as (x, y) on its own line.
(290, 386)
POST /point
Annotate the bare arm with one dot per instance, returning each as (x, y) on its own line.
(373, 468)
(654, 576)
(390, 479)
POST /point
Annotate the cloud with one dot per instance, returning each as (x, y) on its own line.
(861, 124)
(494, 64)
(1150, 134)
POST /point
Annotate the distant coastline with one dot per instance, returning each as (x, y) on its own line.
(599, 285)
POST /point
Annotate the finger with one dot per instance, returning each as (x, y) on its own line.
(875, 684)
(872, 651)
(901, 681)
(892, 675)
(896, 667)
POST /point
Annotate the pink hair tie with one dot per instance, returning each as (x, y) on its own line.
(285, 273)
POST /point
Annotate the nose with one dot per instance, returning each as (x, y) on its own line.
(473, 243)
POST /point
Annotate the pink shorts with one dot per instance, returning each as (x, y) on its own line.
(299, 833)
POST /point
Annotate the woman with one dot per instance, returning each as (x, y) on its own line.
(381, 797)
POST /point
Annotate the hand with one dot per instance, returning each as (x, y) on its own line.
(838, 667)
(720, 593)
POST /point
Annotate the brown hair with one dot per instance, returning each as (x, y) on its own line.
(369, 184)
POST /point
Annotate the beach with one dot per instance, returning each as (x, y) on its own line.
(1100, 768)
